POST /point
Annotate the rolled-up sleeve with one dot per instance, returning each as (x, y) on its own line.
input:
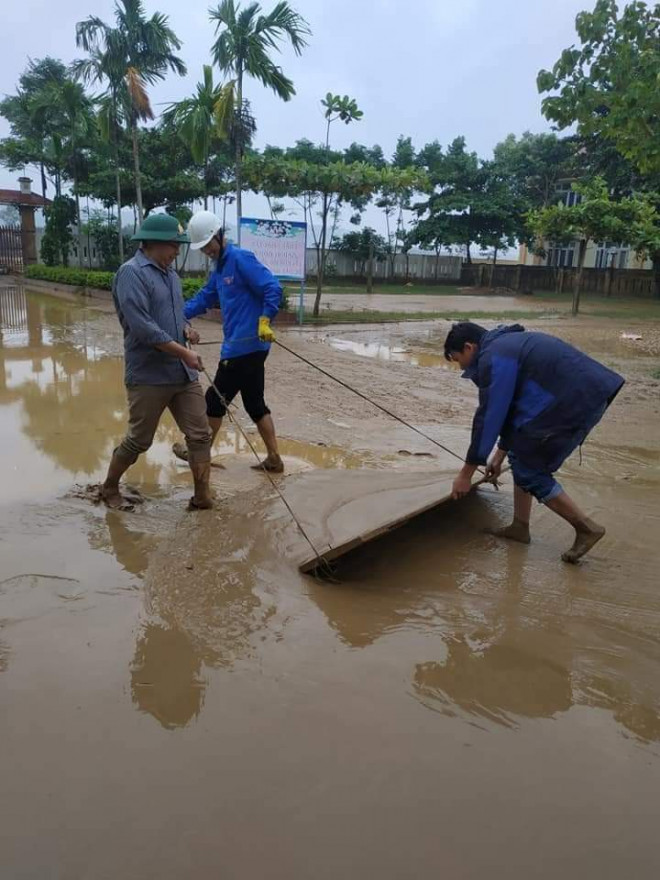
(133, 299)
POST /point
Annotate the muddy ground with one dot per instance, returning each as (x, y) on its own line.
(178, 701)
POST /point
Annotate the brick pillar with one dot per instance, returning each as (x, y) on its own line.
(28, 235)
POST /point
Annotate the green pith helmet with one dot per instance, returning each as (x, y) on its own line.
(161, 227)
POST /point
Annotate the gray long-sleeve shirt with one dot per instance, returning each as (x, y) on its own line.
(149, 304)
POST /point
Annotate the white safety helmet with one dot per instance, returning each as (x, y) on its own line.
(201, 229)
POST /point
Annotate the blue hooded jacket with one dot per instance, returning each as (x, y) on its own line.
(537, 394)
(244, 290)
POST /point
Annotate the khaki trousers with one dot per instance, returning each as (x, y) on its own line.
(146, 405)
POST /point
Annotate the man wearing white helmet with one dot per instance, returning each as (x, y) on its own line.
(249, 295)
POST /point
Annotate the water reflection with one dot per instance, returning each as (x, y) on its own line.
(166, 680)
(204, 599)
(503, 649)
(60, 390)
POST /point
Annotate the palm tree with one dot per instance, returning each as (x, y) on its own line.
(204, 119)
(136, 53)
(245, 38)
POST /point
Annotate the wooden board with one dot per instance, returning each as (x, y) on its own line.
(342, 510)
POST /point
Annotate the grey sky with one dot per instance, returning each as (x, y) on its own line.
(432, 69)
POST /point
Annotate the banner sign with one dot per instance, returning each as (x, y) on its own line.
(278, 244)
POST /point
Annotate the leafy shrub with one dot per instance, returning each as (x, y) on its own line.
(76, 277)
(103, 280)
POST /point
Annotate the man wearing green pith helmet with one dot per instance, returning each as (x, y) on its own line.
(160, 372)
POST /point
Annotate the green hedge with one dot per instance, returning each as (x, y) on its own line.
(77, 277)
(103, 280)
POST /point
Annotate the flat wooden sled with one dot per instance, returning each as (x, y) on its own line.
(343, 510)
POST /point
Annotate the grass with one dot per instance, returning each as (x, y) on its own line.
(349, 317)
(655, 374)
(339, 289)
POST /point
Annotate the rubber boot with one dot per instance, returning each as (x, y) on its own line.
(201, 500)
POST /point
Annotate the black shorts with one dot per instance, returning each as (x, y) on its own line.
(246, 374)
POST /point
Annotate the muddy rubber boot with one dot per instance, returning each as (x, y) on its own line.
(272, 464)
(587, 534)
(517, 531)
(202, 499)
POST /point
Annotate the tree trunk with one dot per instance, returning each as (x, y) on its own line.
(656, 274)
(115, 148)
(206, 184)
(609, 278)
(492, 270)
(468, 254)
(136, 168)
(370, 271)
(43, 179)
(80, 250)
(577, 290)
(239, 161)
(437, 265)
(320, 269)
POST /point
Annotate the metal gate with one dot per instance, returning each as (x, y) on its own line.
(11, 249)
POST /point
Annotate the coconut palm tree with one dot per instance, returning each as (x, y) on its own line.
(136, 53)
(245, 39)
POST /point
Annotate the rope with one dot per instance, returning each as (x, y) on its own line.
(354, 391)
(324, 565)
(370, 401)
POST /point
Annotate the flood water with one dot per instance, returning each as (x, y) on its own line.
(178, 701)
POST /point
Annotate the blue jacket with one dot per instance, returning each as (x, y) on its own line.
(537, 394)
(244, 290)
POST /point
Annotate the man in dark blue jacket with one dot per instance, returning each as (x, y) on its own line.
(538, 399)
(249, 295)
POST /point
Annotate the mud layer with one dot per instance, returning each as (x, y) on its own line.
(178, 701)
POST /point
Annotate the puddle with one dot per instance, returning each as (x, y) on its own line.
(383, 352)
(62, 400)
(296, 453)
(63, 407)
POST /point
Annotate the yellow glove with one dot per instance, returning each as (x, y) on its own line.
(266, 332)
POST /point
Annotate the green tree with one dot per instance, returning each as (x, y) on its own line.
(102, 230)
(471, 202)
(597, 217)
(609, 84)
(336, 109)
(245, 40)
(535, 164)
(138, 52)
(35, 126)
(394, 204)
(281, 176)
(366, 245)
(74, 112)
(169, 176)
(58, 234)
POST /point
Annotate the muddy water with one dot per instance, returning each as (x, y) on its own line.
(177, 701)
